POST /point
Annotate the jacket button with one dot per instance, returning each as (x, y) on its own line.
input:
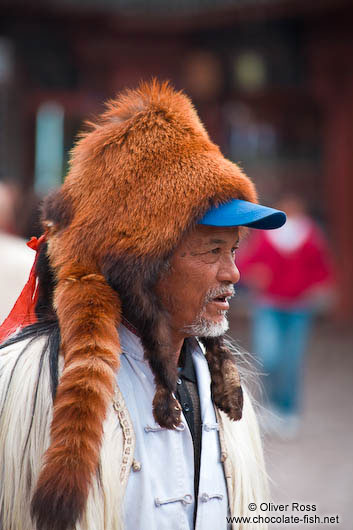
(136, 466)
(224, 457)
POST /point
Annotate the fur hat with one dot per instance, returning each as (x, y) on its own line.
(139, 180)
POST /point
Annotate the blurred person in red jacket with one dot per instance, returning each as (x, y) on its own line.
(289, 274)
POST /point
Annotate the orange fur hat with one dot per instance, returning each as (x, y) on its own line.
(139, 179)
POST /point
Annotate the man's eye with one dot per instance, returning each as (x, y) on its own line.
(215, 251)
(234, 249)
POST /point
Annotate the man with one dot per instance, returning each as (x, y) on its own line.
(122, 405)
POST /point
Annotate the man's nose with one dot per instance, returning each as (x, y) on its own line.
(228, 272)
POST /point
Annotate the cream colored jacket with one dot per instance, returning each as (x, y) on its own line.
(25, 417)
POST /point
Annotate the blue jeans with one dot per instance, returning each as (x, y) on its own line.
(279, 340)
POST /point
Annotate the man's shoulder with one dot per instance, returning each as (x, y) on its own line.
(25, 390)
(22, 353)
(16, 345)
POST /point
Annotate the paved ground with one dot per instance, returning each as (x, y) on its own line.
(317, 466)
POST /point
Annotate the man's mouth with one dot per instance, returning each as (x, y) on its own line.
(222, 301)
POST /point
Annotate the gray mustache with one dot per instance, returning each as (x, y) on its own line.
(213, 293)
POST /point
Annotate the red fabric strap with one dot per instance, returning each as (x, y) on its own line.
(23, 312)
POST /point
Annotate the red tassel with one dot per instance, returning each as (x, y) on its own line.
(23, 312)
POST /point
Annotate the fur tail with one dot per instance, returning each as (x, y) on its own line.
(88, 311)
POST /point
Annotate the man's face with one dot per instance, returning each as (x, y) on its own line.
(199, 283)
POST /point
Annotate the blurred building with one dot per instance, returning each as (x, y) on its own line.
(272, 79)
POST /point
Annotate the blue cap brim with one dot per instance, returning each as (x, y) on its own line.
(243, 213)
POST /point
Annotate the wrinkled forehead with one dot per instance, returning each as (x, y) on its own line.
(202, 237)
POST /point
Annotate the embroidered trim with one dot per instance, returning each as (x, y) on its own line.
(128, 435)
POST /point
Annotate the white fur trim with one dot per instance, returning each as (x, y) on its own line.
(25, 416)
(243, 464)
(26, 407)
